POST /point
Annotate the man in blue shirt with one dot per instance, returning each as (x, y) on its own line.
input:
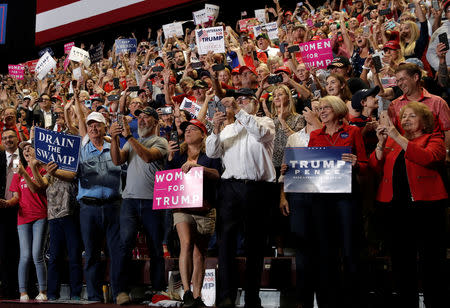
(99, 195)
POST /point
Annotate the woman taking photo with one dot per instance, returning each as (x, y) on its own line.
(414, 41)
(29, 194)
(194, 226)
(338, 221)
(414, 196)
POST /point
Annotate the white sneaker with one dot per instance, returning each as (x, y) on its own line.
(41, 297)
(24, 298)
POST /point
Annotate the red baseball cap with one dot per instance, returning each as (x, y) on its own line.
(394, 45)
(283, 68)
(194, 122)
(243, 68)
(235, 70)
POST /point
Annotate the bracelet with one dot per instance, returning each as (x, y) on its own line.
(128, 137)
(365, 68)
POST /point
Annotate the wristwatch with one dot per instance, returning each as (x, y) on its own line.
(128, 137)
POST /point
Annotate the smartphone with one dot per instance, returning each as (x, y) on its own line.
(120, 119)
(366, 29)
(218, 67)
(74, 83)
(114, 97)
(384, 12)
(158, 68)
(372, 7)
(149, 85)
(104, 70)
(170, 54)
(134, 89)
(377, 63)
(283, 47)
(166, 110)
(435, 5)
(174, 136)
(444, 39)
(255, 56)
(273, 79)
(318, 24)
(292, 49)
(390, 25)
(116, 83)
(196, 65)
(300, 4)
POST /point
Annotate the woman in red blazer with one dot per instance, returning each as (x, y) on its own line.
(415, 197)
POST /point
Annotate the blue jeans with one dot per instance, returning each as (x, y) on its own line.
(98, 222)
(139, 211)
(65, 233)
(31, 241)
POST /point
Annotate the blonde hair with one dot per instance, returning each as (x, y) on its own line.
(408, 49)
(286, 90)
(338, 105)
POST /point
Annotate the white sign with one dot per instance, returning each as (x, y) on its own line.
(208, 288)
(271, 29)
(261, 15)
(212, 11)
(200, 17)
(45, 65)
(79, 55)
(76, 73)
(210, 39)
(172, 29)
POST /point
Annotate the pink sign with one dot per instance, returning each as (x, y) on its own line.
(66, 63)
(175, 189)
(68, 47)
(32, 65)
(316, 53)
(16, 71)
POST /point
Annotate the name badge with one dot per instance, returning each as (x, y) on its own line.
(344, 135)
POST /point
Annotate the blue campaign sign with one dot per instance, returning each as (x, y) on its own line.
(126, 45)
(63, 149)
(3, 14)
(43, 51)
(317, 170)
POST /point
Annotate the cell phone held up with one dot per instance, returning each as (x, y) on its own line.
(292, 49)
(274, 79)
(116, 83)
(120, 120)
(377, 63)
(166, 110)
(444, 40)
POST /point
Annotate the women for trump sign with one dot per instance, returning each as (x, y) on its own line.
(316, 53)
(317, 170)
(175, 189)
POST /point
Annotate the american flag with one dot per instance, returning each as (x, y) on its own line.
(202, 34)
(57, 19)
(190, 106)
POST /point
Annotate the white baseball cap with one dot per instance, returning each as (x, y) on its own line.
(97, 117)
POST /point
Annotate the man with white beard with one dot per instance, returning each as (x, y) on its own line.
(145, 156)
(246, 149)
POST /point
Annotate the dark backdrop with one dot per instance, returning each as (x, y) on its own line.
(20, 26)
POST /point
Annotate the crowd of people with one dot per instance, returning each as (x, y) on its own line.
(385, 94)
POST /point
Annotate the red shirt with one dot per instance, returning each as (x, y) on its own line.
(424, 156)
(25, 131)
(262, 57)
(436, 104)
(32, 206)
(347, 135)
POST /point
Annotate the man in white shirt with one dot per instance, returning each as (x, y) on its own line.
(246, 149)
(263, 43)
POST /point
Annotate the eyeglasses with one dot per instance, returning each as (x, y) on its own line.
(193, 129)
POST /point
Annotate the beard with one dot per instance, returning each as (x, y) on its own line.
(144, 131)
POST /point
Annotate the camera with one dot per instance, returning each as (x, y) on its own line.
(273, 79)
